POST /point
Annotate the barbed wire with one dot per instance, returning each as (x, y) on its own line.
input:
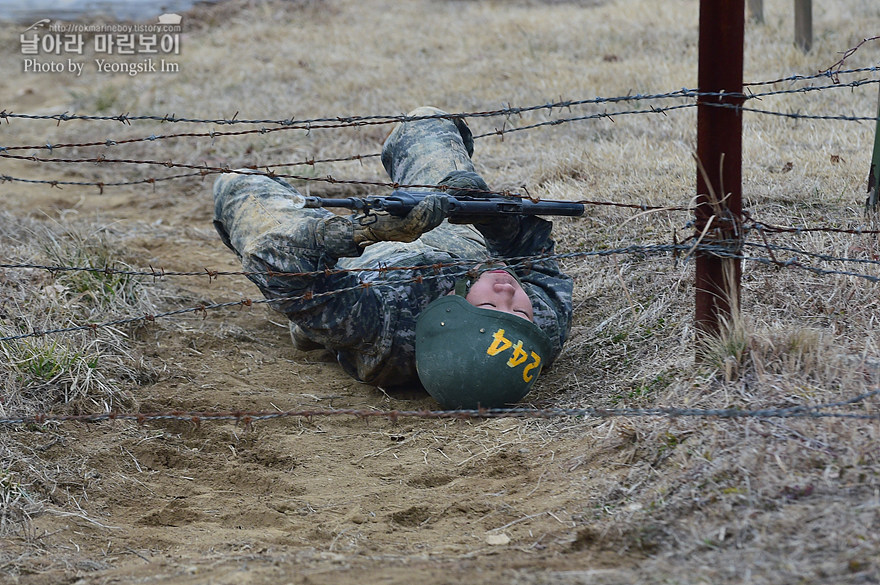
(509, 111)
(523, 262)
(351, 121)
(730, 249)
(161, 273)
(795, 263)
(220, 170)
(817, 255)
(808, 89)
(203, 308)
(206, 170)
(100, 184)
(309, 127)
(158, 273)
(738, 106)
(501, 132)
(793, 229)
(834, 70)
(825, 73)
(796, 115)
(717, 247)
(248, 418)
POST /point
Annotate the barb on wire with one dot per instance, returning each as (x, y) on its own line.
(247, 418)
(834, 71)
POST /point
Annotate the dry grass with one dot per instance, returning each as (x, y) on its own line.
(67, 372)
(695, 500)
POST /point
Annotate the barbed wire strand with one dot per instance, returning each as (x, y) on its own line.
(326, 179)
(248, 418)
(723, 249)
(521, 262)
(161, 273)
(509, 111)
(356, 121)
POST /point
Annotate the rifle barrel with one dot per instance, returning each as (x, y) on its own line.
(345, 202)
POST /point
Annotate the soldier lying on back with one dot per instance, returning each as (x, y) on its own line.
(474, 332)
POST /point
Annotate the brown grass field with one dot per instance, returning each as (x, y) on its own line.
(344, 500)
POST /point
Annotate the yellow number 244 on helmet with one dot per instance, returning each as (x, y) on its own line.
(469, 357)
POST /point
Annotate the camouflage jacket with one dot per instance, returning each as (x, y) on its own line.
(368, 320)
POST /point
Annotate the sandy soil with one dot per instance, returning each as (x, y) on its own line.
(338, 500)
(343, 500)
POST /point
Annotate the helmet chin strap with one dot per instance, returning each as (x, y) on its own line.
(463, 284)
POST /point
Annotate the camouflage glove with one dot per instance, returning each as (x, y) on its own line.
(424, 217)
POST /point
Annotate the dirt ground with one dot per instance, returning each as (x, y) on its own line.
(339, 500)
(344, 500)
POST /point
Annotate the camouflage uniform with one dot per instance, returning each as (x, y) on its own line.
(372, 329)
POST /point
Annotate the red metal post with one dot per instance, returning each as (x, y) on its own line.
(719, 154)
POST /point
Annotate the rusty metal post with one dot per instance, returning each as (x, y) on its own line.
(719, 159)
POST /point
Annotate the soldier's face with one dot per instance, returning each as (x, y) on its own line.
(499, 291)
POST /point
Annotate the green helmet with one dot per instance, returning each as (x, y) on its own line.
(468, 357)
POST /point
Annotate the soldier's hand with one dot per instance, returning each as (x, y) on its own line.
(424, 217)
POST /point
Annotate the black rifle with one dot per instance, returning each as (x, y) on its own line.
(400, 203)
